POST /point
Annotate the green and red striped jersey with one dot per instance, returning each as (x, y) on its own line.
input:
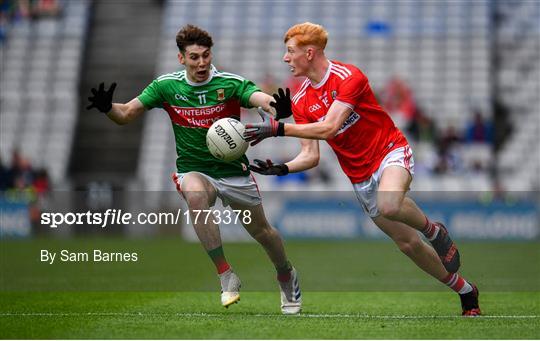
(192, 108)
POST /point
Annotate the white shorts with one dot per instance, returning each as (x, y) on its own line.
(239, 189)
(366, 191)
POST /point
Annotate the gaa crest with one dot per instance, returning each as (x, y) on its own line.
(220, 94)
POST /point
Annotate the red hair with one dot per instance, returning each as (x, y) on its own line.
(307, 34)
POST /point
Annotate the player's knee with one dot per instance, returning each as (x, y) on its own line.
(389, 209)
(197, 200)
(410, 246)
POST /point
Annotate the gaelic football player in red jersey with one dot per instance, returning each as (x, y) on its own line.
(194, 98)
(335, 103)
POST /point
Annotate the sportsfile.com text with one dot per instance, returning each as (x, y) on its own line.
(119, 216)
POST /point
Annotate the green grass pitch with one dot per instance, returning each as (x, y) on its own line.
(351, 290)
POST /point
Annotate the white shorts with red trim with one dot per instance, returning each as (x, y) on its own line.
(366, 191)
(239, 189)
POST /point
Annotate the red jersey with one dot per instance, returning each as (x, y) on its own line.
(366, 136)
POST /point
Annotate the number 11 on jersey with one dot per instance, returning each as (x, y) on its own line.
(202, 98)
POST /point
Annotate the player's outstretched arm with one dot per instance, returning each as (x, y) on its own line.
(306, 159)
(125, 113)
(323, 130)
(279, 105)
(260, 99)
(101, 99)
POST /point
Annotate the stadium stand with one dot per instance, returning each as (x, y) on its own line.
(455, 57)
(122, 50)
(40, 77)
(518, 54)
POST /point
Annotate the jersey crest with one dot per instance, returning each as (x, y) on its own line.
(220, 94)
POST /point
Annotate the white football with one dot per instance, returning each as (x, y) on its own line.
(225, 139)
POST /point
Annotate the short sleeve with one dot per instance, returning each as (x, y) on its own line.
(351, 90)
(243, 92)
(151, 96)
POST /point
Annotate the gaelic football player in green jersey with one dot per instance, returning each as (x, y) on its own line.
(194, 98)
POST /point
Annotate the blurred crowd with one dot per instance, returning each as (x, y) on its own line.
(13, 11)
(23, 180)
(398, 100)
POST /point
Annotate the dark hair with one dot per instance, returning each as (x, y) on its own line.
(192, 35)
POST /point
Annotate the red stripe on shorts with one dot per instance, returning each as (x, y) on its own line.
(255, 181)
(407, 159)
(176, 182)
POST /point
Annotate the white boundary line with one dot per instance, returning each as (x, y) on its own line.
(338, 316)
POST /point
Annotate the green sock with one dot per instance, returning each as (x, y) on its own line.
(218, 257)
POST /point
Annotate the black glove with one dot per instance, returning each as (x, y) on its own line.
(268, 168)
(102, 100)
(282, 104)
(269, 127)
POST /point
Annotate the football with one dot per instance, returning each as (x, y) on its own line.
(225, 139)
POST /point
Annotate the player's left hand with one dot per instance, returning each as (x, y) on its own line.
(268, 168)
(282, 104)
(269, 127)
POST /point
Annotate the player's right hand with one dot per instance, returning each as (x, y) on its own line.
(102, 100)
(268, 168)
(269, 127)
(282, 104)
